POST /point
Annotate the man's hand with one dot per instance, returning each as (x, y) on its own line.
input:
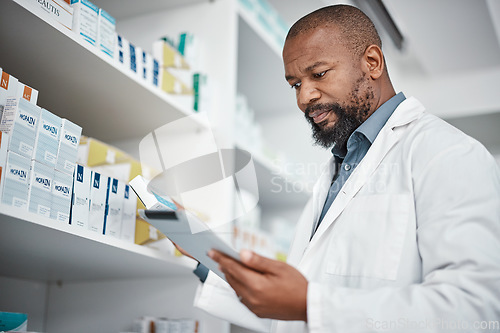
(269, 288)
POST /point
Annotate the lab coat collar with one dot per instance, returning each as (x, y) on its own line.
(408, 111)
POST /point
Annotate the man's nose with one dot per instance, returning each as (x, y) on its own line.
(308, 94)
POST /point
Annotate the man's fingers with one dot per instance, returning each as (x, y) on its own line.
(233, 267)
(257, 262)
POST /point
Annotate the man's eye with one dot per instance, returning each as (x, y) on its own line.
(319, 75)
(295, 85)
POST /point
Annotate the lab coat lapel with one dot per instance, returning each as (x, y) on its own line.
(311, 213)
(407, 111)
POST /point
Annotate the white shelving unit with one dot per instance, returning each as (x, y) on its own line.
(38, 248)
(79, 269)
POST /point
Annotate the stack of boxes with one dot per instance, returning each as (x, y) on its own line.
(113, 207)
(173, 67)
(38, 170)
(103, 204)
(39, 150)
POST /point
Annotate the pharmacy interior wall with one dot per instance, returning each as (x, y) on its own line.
(112, 305)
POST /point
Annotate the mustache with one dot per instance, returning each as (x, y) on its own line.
(322, 107)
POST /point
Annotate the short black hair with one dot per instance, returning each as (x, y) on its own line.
(356, 29)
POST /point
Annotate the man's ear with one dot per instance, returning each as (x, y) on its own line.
(373, 61)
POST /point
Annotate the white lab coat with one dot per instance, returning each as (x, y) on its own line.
(411, 243)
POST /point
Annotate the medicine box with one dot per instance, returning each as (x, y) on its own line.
(57, 10)
(8, 90)
(80, 201)
(106, 26)
(129, 213)
(61, 196)
(69, 139)
(85, 15)
(98, 191)
(40, 188)
(21, 123)
(171, 83)
(114, 207)
(122, 51)
(47, 140)
(15, 186)
(168, 55)
(26, 92)
(133, 54)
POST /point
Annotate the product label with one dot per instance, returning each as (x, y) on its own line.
(133, 63)
(97, 207)
(127, 189)
(97, 180)
(26, 149)
(50, 129)
(43, 210)
(27, 119)
(17, 174)
(42, 182)
(79, 173)
(19, 203)
(62, 217)
(70, 138)
(4, 83)
(27, 93)
(9, 114)
(114, 186)
(62, 190)
(88, 21)
(51, 158)
(69, 166)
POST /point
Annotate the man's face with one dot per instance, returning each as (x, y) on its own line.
(332, 90)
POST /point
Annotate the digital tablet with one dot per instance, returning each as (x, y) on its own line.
(178, 226)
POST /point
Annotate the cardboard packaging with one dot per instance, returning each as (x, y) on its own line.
(40, 189)
(16, 181)
(28, 93)
(85, 15)
(80, 200)
(57, 10)
(107, 159)
(168, 55)
(69, 139)
(114, 208)
(8, 90)
(61, 196)
(122, 51)
(98, 191)
(21, 123)
(47, 139)
(171, 84)
(106, 26)
(129, 213)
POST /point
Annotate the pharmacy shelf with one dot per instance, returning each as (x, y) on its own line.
(261, 75)
(277, 188)
(122, 9)
(251, 19)
(38, 248)
(77, 81)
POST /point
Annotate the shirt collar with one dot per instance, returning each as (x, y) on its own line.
(372, 126)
